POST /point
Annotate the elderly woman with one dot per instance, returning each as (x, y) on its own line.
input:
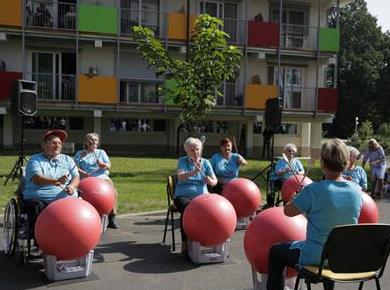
(226, 164)
(194, 174)
(377, 159)
(355, 172)
(283, 170)
(92, 161)
(326, 204)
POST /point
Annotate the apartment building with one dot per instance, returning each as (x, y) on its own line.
(90, 77)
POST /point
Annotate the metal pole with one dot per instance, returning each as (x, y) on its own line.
(281, 94)
(188, 29)
(317, 57)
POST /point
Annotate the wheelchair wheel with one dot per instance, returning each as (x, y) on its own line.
(10, 227)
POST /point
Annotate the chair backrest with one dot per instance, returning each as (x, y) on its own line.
(357, 248)
(171, 185)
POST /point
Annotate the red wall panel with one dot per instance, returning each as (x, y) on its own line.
(7, 80)
(327, 100)
(263, 34)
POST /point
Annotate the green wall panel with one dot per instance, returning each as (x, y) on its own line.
(100, 19)
(329, 39)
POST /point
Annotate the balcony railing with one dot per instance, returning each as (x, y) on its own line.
(55, 87)
(232, 95)
(132, 17)
(49, 14)
(299, 98)
(299, 37)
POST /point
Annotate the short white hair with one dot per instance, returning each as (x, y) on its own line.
(191, 141)
(354, 151)
(291, 146)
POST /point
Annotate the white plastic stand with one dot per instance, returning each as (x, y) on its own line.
(207, 255)
(104, 223)
(261, 284)
(56, 270)
(242, 223)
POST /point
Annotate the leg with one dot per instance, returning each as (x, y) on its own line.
(181, 203)
(280, 256)
(112, 224)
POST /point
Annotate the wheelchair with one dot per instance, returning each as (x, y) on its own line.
(18, 231)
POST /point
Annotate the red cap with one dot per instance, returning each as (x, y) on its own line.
(59, 133)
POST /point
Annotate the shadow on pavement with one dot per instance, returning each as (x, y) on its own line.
(146, 258)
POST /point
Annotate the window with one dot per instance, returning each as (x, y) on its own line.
(139, 12)
(139, 92)
(137, 125)
(329, 76)
(288, 129)
(331, 17)
(201, 127)
(45, 122)
(222, 127)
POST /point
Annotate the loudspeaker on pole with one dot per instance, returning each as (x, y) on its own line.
(273, 113)
(27, 98)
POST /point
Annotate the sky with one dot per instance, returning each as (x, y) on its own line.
(380, 9)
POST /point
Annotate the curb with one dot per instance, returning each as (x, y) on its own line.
(157, 212)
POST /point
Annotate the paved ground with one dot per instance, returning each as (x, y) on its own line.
(133, 258)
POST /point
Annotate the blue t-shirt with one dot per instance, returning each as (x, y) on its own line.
(194, 185)
(326, 204)
(87, 161)
(225, 169)
(54, 168)
(282, 164)
(357, 175)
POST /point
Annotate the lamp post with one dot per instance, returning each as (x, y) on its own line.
(356, 125)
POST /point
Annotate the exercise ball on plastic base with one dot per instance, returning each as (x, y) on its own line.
(99, 192)
(269, 227)
(68, 228)
(209, 219)
(293, 185)
(244, 195)
(369, 212)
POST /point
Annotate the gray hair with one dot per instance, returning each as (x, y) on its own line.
(354, 151)
(91, 136)
(191, 141)
(335, 155)
(291, 146)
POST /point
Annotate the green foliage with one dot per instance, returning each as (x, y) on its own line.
(366, 131)
(362, 56)
(210, 61)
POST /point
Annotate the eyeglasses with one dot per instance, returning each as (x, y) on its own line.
(291, 151)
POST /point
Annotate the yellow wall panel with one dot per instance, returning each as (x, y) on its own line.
(10, 12)
(101, 90)
(257, 95)
(177, 25)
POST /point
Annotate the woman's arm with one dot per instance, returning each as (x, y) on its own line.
(291, 210)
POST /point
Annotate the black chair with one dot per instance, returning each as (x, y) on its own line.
(352, 253)
(171, 184)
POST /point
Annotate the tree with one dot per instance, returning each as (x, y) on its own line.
(361, 61)
(198, 80)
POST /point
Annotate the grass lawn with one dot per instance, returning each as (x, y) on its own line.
(140, 181)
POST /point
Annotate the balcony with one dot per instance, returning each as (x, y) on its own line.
(263, 34)
(177, 25)
(300, 37)
(298, 98)
(232, 95)
(97, 89)
(55, 87)
(10, 13)
(51, 15)
(7, 83)
(327, 100)
(146, 18)
(140, 92)
(257, 95)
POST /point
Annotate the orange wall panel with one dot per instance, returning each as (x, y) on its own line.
(10, 12)
(177, 25)
(101, 90)
(257, 95)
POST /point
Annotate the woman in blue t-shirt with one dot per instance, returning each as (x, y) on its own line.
(194, 174)
(326, 204)
(226, 164)
(355, 173)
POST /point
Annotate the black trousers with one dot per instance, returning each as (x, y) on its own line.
(280, 256)
(33, 208)
(181, 203)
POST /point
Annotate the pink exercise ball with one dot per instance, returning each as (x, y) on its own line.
(244, 195)
(99, 192)
(68, 228)
(293, 185)
(369, 212)
(209, 219)
(267, 228)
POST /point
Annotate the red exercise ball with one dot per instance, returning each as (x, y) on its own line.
(369, 212)
(267, 228)
(291, 186)
(68, 228)
(244, 195)
(209, 219)
(99, 192)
